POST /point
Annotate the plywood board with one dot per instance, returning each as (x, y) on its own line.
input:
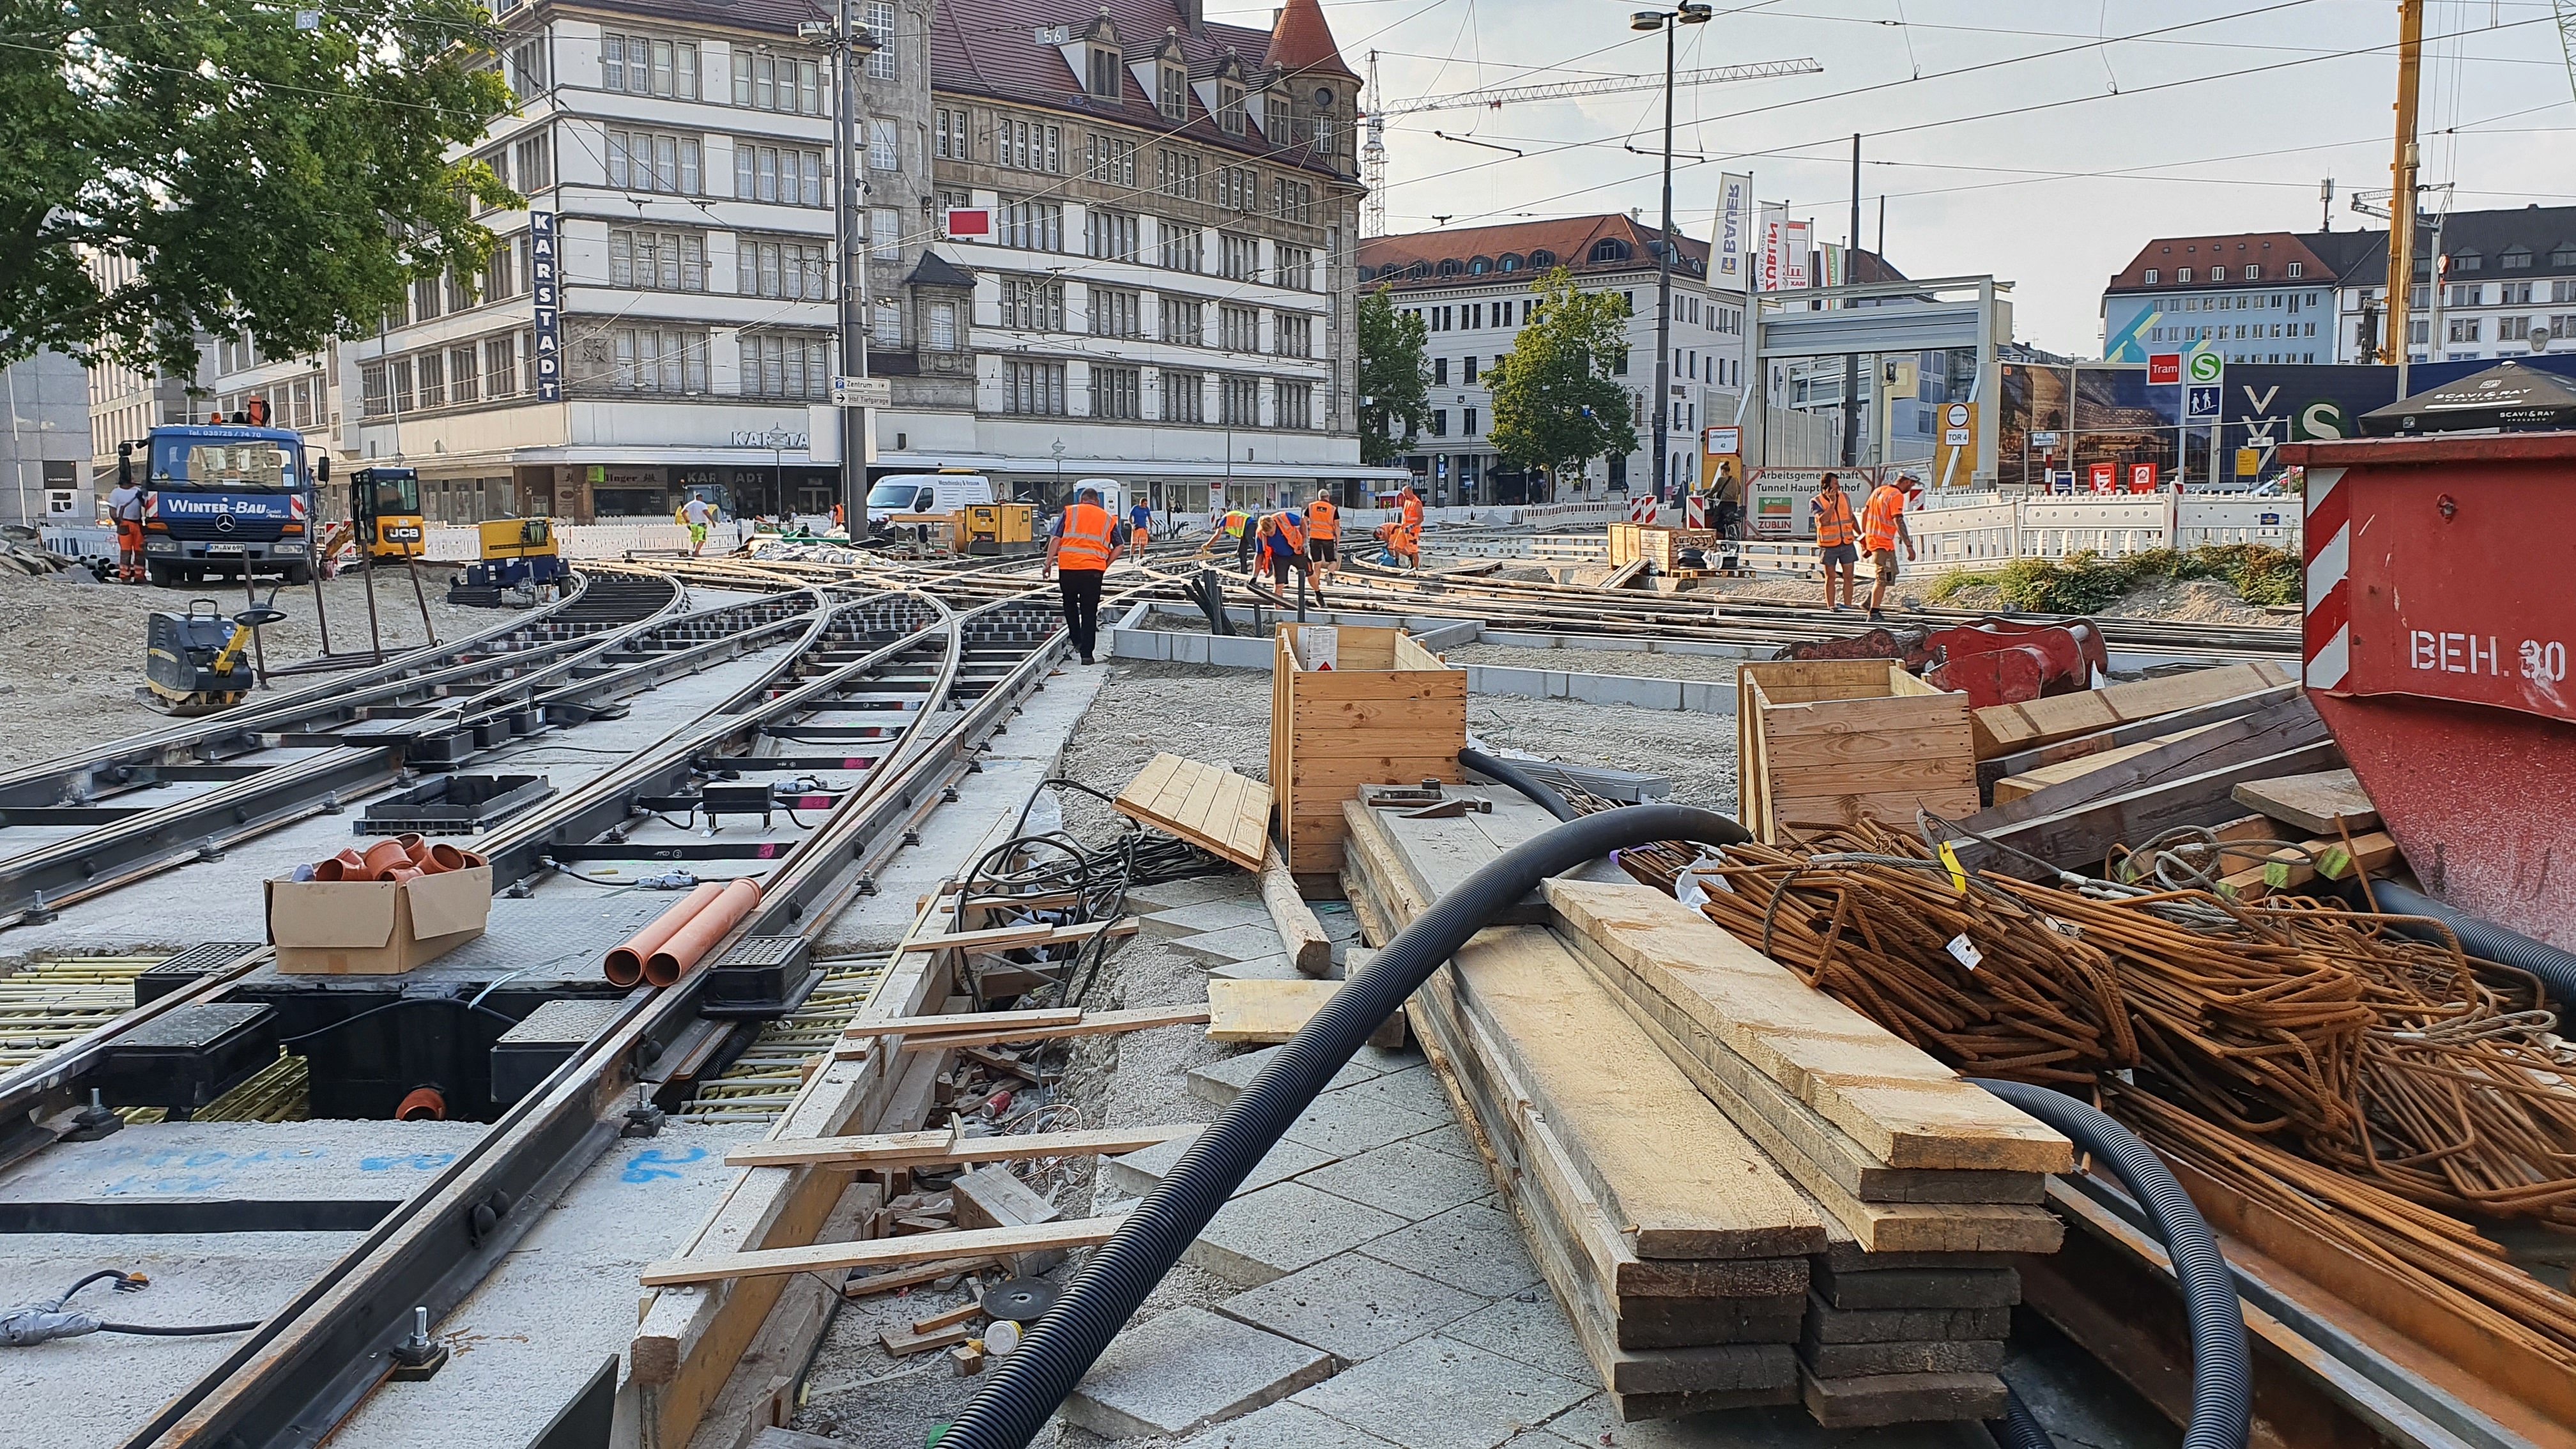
(1217, 810)
(2313, 802)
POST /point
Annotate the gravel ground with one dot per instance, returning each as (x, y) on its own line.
(1635, 662)
(71, 649)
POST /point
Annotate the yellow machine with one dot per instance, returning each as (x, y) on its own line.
(385, 505)
(517, 553)
(193, 661)
(997, 528)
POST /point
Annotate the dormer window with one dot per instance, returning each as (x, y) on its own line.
(2466, 261)
(2298, 269)
(2516, 258)
(1105, 74)
(2253, 271)
(2218, 274)
(2183, 275)
(1172, 95)
(2152, 276)
(1229, 107)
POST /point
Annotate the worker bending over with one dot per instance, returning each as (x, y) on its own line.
(1230, 530)
(1837, 536)
(1078, 553)
(125, 510)
(1882, 527)
(1283, 548)
(1324, 537)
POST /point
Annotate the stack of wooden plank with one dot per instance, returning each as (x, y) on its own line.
(1674, 1116)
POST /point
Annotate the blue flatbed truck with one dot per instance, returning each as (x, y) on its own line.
(226, 501)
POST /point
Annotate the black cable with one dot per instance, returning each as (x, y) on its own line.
(154, 1330)
(397, 1006)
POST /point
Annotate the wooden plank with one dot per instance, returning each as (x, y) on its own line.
(2313, 802)
(974, 1021)
(858, 1036)
(2076, 747)
(2014, 787)
(1676, 1177)
(916, 1275)
(2285, 725)
(1309, 949)
(2084, 834)
(878, 1253)
(2375, 852)
(1005, 938)
(1905, 1108)
(1199, 803)
(944, 1149)
(2004, 728)
(1274, 1011)
(904, 1345)
(964, 1313)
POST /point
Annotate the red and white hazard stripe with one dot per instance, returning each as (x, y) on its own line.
(2327, 542)
(1641, 509)
(1695, 513)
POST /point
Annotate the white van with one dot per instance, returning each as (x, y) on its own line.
(926, 493)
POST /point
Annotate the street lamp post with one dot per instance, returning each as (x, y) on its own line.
(851, 43)
(1689, 12)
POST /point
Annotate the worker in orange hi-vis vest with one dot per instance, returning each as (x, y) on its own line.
(1324, 536)
(1837, 539)
(1085, 540)
(1412, 505)
(1882, 527)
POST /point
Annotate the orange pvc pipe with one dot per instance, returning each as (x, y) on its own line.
(700, 935)
(381, 857)
(439, 859)
(353, 865)
(425, 1104)
(330, 869)
(400, 873)
(624, 965)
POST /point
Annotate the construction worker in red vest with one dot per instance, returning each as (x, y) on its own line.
(1837, 539)
(1078, 554)
(1882, 527)
(1324, 536)
(1283, 546)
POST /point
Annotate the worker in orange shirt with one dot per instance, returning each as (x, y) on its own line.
(1882, 527)
(1837, 538)
(1078, 554)
(1324, 536)
(1411, 502)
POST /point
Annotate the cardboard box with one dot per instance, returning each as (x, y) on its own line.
(370, 928)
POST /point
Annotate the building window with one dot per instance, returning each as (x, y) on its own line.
(1296, 269)
(374, 399)
(1033, 388)
(2466, 329)
(1440, 372)
(2513, 294)
(653, 161)
(1184, 399)
(790, 270)
(463, 375)
(1294, 201)
(1229, 107)
(1238, 257)
(1117, 392)
(2419, 331)
(2298, 269)
(1032, 304)
(1172, 93)
(943, 326)
(1238, 188)
(2562, 327)
(1239, 328)
(786, 365)
(2563, 289)
(2253, 271)
(533, 160)
(1295, 336)
(887, 328)
(525, 67)
(782, 174)
(1117, 313)
(1112, 161)
(666, 360)
(1105, 69)
(426, 297)
(2464, 294)
(431, 370)
(1239, 401)
(1111, 235)
(500, 270)
(2513, 329)
(2184, 275)
(879, 19)
(1179, 246)
(766, 82)
(2466, 261)
(500, 367)
(1296, 404)
(667, 261)
(949, 129)
(647, 66)
(1029, 146)
(1037, 226)
(1439, 423)
(885, 233)
(885, 151)
(458, 298)
(1467, 423)
(1183, 322)
(1176, 173)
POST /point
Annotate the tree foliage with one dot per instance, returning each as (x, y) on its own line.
(205, 166)
(1394, 378)
(1556, 405)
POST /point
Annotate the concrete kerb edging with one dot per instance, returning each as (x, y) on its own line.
(1130, 640)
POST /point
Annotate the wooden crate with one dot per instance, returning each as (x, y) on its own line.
(1826, 742)
(1388, 711)
(1656, 543)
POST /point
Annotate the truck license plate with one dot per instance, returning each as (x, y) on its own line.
(223, 548)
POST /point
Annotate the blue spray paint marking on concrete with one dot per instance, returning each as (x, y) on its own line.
(650, 1165)
(421, 1161)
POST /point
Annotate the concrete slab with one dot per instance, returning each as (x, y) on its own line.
(1439, 1393)
(1476, 1247)
(222, 1177)
(1451, 1140)
(1346, 1125)
(1267, 1235)
(1414, 1089)
(1222, 1082)
(1530, 1327)
(1284, 1425)
(1185, 1370)
(1266, 968)
(1410, 1179)
(1139, 1173)
(1236, 943)
(1352, 1306)
(1171, 895)
(1218, 914)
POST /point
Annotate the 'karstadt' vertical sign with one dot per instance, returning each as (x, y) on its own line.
(545, 364)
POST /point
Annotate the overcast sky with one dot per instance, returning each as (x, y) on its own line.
(2224, 120)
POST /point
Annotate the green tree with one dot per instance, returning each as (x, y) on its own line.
(212, 167)
(1555, 403)
(1394, 378)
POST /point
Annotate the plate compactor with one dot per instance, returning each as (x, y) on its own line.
(194, 663)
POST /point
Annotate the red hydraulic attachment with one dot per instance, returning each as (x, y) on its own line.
(1992, 661)
(2440, 621)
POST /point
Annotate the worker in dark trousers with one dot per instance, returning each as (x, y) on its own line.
(1078, 554)
(1246, 547)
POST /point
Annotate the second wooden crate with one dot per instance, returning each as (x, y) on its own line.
(1827, 742)
(1386, 711)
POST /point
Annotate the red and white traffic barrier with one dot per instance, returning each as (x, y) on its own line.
(2327, 543)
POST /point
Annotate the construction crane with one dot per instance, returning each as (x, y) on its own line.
(2567, 36)
(1373, 154)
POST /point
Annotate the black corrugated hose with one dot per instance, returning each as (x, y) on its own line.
(2222, 1372)
(1519, 779)
(1023, 1389)
(2485, 940)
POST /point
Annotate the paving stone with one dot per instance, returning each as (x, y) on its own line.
(1476, 1247)
(1266, 968)
(1409, 1179)
(1267, 1235)
(1223, 1081)
(1171, 895)
(1453, 1141)
(1530, 1327)
(1138, 1173)
(1284, 1426)
(1595, 1423)
(1414, 1089)
(1234, 943)
(1206, 916)
(1346, 1125)
(1390, 1059)
(1439, 1393)
(1187, 1369)
(1351, 1306)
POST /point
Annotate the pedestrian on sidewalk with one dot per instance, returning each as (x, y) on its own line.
(1078, 554)
(697, 513)
(1882, 527)
(1837, 539)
